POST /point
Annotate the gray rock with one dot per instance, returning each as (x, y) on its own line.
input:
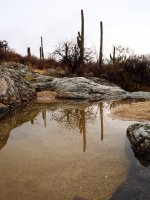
(138, 95)
(42, 86)
(92, 89)
(42, 83)
(14, 86)
(82, 88)
(18, 83)
(139, 137)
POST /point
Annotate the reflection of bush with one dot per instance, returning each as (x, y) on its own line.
(74, 118)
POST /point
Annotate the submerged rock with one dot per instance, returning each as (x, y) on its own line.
(139, 136)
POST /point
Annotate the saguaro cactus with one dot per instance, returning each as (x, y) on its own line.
(113, 58)
(41, 50)
(80, 38)
(66, 51)
(101, 45)
(40, 53)
(28, 52)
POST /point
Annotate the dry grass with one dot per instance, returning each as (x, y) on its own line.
(139, 111)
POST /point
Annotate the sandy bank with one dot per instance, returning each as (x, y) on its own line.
(132, 111)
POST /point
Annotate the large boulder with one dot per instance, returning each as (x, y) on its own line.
(83, 88)
(14, 85)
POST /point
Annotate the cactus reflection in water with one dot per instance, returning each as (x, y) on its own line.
(68, 118)
(75, 118)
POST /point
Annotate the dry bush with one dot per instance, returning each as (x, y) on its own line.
(131, 76)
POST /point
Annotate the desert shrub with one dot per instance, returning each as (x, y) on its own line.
(68, 55)
(132, 75)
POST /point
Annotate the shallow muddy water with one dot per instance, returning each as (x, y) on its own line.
(69, 151)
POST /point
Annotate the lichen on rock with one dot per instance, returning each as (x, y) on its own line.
(14, 88)
(139, 137)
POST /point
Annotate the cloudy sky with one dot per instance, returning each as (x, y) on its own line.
(126, 23)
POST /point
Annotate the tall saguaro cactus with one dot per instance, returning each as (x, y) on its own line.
(101, 45)
(80, 38)
(28, 52)
(41, 50)
(66, 51)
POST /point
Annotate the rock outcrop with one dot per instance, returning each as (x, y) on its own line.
(83, 88)
(14, 86)
(18, 83)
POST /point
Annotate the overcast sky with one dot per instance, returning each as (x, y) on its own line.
(126, 23)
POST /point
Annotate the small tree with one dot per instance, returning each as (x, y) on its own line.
(3, 50)
(4, 45)
(68, 53)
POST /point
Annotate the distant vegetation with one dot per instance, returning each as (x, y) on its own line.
(72, 58)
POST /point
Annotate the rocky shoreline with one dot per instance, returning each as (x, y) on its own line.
(19, 84)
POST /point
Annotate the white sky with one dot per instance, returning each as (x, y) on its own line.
(126, 23)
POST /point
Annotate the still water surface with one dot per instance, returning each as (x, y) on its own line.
(68, 151)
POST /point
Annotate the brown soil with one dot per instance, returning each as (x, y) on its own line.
(46, 97)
